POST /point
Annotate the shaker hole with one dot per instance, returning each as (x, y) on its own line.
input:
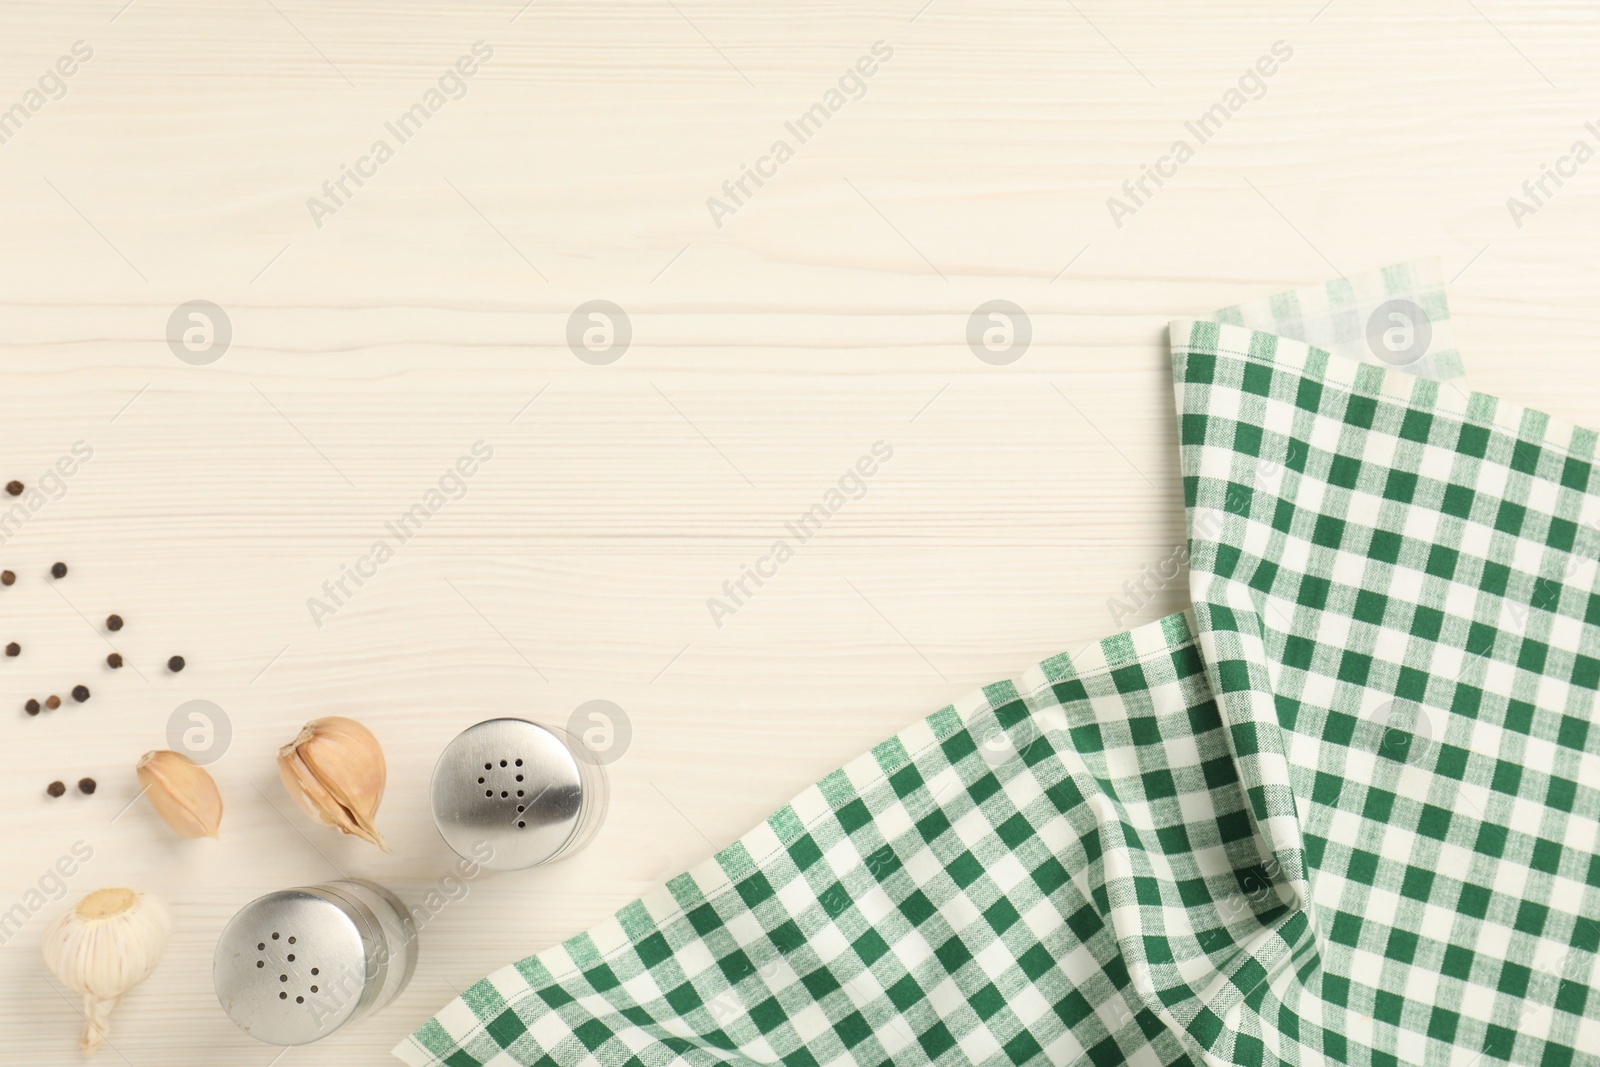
(502, 763)
(283, 996)
(260, 964)
(299, 1000)
(261, 945)
(487, 766)
(480, 781)
(521, 825)
(314, 971)
(313, 989)
(519, 763)
(519, 792)
(521, 808)
(291, 941)
(283, 978)
(274, 936)
(291, 957)
(488, 792)
(503, 794)
(519, 777)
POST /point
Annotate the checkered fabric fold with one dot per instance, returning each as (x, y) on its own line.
(1342, 811)
(1397, 316)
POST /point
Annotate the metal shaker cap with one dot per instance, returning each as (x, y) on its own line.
(295, 965)
(519, 788)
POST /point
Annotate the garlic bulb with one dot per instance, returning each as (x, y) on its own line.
(104, 947)
(335, 772)
(182, 792)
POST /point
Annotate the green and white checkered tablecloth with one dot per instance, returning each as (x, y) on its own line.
(1344, 810)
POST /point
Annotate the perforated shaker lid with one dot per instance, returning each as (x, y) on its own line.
(515, 787)
(297, 964)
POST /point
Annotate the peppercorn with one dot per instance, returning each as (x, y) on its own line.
(7, 578)
(55, 789)
(13, 649)
(113, 622)
(175, 664)
(31, 707)
(86, 786)
(114, 660)
(58, 570)
(14, 488)
(80, 693)
(52, 702)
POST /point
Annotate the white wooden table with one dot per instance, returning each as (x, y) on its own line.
(376, 338)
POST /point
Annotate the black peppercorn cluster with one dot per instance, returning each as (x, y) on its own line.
(79, 693)
(114, 623)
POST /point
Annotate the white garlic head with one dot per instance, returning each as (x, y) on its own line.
(109, 943)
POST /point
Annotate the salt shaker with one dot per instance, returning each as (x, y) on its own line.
(519, 788)
(295, 965)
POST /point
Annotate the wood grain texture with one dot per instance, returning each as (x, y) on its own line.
(826, 314)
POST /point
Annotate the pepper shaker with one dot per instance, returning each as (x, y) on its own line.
(295, 965)
(521, 789)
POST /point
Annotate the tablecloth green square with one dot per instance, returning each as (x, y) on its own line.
(1344, 809)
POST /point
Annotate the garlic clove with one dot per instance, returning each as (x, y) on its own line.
(109, 943)
(182, 792)
(336, 772)
(309, 793)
